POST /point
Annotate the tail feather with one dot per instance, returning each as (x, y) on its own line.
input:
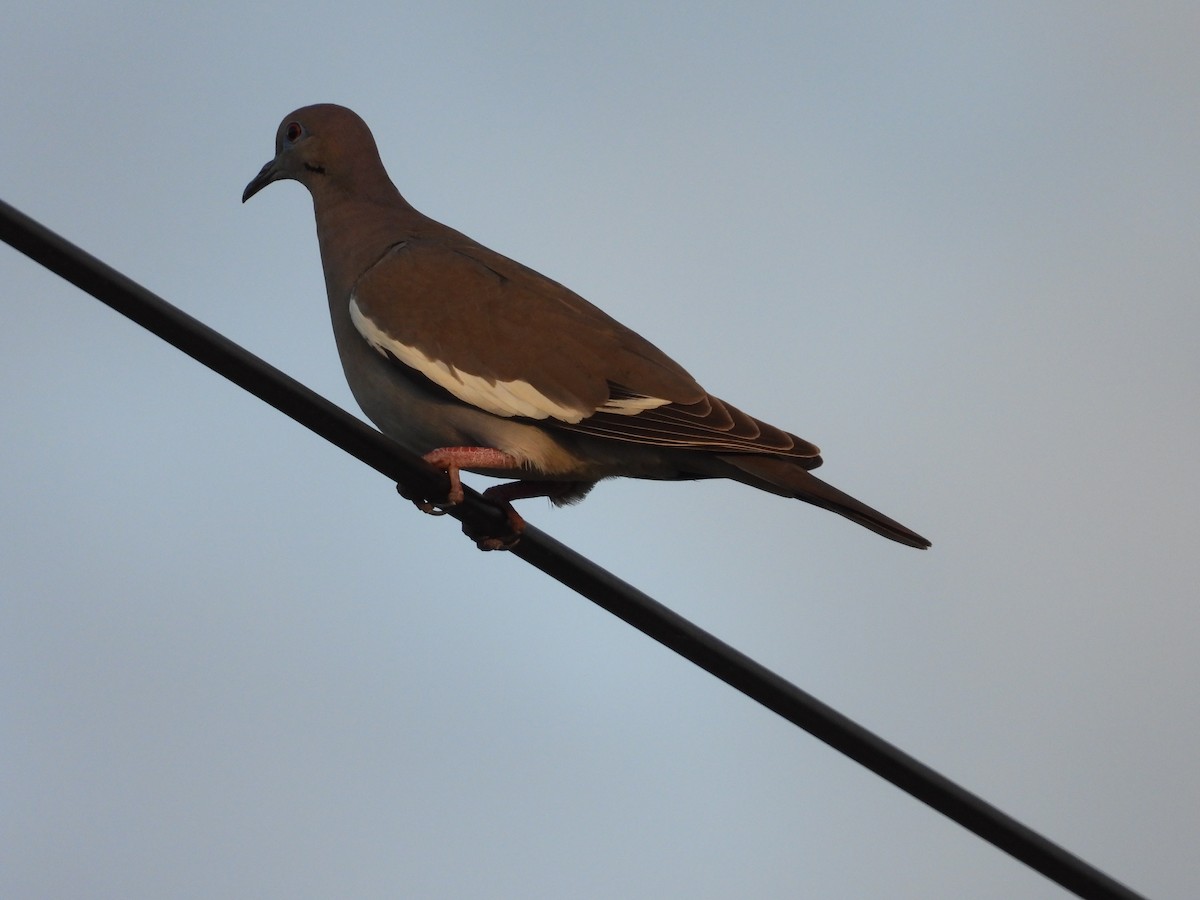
(785, 477)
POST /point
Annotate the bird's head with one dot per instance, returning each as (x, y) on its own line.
(324, 147)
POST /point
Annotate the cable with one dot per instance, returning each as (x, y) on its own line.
(558, 561)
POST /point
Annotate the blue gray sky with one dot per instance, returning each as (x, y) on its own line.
(955, 246)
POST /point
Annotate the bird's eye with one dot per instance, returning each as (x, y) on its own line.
(292, 132)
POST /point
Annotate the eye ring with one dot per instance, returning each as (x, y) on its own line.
(292, 132)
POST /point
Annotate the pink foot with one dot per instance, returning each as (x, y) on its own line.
(451, 459)
(503, 494)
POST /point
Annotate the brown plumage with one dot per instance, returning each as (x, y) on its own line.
(476, 361)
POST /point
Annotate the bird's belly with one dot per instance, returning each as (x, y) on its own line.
(422, 417)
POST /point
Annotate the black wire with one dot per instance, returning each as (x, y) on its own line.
(556, 560)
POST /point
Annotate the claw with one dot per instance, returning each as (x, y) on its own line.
(497, 544)
(429, 507)
(486, 538)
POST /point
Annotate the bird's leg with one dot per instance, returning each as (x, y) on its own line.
(450, 460)
(503, 494)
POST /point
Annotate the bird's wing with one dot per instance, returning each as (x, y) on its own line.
(506, 339)
(501, 337)
(709, 424)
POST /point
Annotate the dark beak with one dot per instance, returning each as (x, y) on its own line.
(269, 173)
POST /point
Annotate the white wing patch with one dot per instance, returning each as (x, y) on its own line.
(631, 406)
(502, 398)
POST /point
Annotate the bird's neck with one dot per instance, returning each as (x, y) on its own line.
(355, 231)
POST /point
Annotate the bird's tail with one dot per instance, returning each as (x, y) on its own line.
(785, 477)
